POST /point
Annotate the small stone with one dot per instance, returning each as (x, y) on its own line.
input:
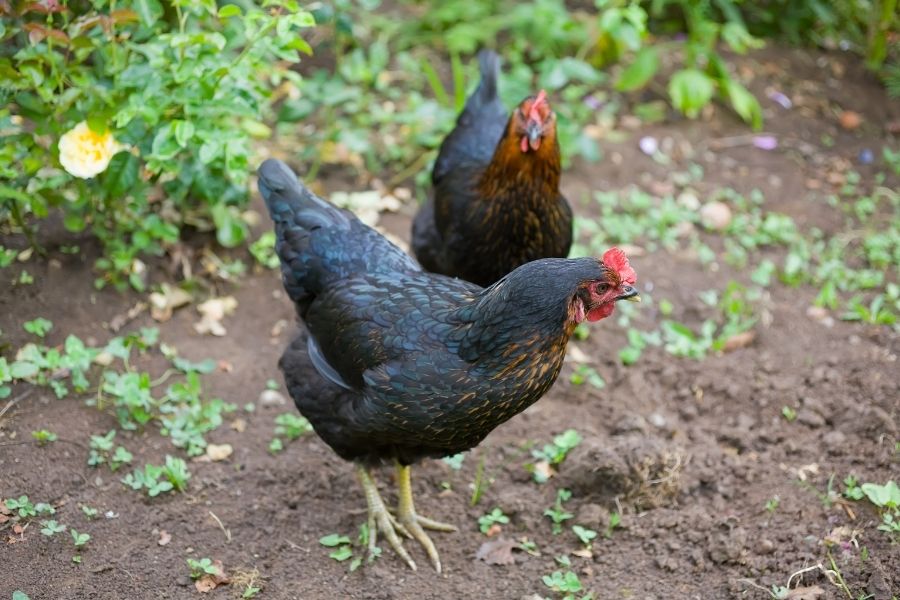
(689, 200)
(765, 547)
(271, 398)
(850, 120)
(715, 216)
(810, 418)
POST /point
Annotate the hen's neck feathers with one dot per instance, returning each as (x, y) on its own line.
(516, 175)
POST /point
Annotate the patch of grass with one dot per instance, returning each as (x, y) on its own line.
(553, 454)
(102, 452)
(587, 374)
(289, 426)
(50, 527)
(566, 583)
(557, 513)
(789, 414)
(43, 437)
(615, 519)
(343, 547)
(39, 327)
(488, 521)
(158, 479)
(455, 462)
(201, 567)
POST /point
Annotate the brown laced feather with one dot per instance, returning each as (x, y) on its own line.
(511, 169)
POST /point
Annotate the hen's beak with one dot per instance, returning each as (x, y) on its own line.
(629, 293)
(534, 131)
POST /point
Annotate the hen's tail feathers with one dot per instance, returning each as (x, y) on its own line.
(489, 65)
(290, 202)
(298, 214)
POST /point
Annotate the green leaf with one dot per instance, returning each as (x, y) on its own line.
(184, 131)
(691, 90)
(20, 595)
(229, 10)
(121, 175)
(148, 10)
(884, 496)
(744, 103)
(23, 369)
(640, 71)
(230, 229)
(341, 554)
(334, 539)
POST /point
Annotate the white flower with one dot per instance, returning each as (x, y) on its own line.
(85, 153)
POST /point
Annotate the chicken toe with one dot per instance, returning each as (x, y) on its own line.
(415, 524)
(380, 520)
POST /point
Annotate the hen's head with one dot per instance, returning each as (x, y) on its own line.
(596, 298)
(533, 121)
(553, 292)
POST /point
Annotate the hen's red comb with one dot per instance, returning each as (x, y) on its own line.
(534, 114)
(616, 260)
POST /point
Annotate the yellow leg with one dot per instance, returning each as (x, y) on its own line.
(381, 520)
(413, 523)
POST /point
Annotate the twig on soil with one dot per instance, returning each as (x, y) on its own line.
(828, 573)
(15, 401)
(295, 546)
(227, 532)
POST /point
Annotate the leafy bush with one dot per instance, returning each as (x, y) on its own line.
(160, 102)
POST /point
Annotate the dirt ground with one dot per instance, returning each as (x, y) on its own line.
(688, 451)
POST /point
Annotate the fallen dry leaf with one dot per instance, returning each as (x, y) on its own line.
(164, 303)
(497, 552)
(164, 537)
(543, 469)
(578, 355)
(211, 581)
(213, 311)
(805, 593)
(493, 530)
(367, 206)
(217, 452)
(739, 340)
(239, 425)
(583, 553)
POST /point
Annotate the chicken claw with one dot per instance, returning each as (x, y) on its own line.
(413, 523)
(381, 520)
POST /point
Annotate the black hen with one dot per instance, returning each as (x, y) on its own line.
(411, 364)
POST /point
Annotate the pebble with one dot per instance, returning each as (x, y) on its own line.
(765, 547)
(715, 216)
(657, 420)
(271, 398)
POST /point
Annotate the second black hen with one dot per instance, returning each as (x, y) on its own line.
(496, 203)
(410, 364)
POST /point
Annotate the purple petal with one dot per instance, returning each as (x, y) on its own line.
(593, 102)
(780, 98)
(649, 145)
(765, 142)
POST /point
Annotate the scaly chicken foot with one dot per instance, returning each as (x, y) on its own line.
(380, 519)
(414, 524)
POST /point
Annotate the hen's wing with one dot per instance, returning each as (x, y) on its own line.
(479, 126)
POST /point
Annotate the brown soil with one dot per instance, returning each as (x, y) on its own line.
(689, 452)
